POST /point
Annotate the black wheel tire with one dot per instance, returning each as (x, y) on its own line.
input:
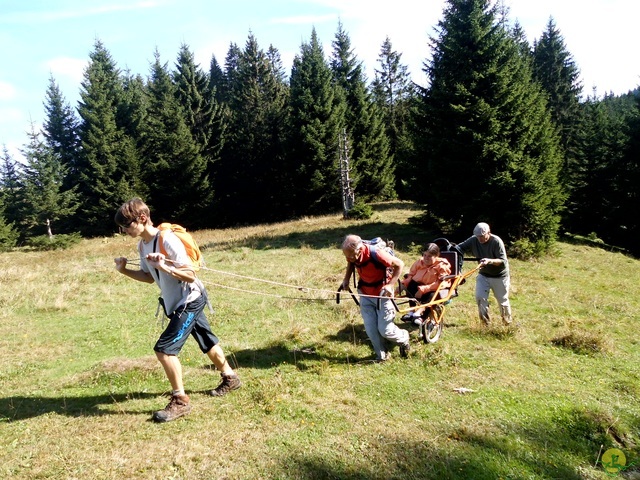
(431, 331)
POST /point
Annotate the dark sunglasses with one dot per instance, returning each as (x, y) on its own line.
(127, 225)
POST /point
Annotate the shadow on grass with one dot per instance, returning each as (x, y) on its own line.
(24, 407)
(401, 233)
(419, 461)
(303, 357)
(350, 333)
(541, 452)
(396, 205)
(307, 356)
(581, 240)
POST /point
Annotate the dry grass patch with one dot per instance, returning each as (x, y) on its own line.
(124, 365)
(583, 342)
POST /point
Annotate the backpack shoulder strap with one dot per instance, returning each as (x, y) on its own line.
(373, 252)
(155, 249)
(155, 245)
(160, 243)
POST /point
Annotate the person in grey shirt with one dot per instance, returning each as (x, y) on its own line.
(494, 272)
(183, 298)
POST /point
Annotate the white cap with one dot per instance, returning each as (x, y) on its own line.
(481, 229)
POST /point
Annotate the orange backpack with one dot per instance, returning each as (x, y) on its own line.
(190, 245)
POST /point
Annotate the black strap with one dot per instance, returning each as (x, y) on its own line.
(155, 245)
(370, 284)
(350, 291)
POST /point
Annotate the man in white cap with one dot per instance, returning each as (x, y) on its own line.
(494, 273)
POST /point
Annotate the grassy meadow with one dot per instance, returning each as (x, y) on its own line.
(549, 395)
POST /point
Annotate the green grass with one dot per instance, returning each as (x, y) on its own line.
(79, 380)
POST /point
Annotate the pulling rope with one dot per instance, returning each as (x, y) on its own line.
(280, 284)
(297, 287)
(264, 294)
(271, 282)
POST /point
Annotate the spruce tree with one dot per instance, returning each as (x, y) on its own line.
(203, 116)
(11, 187)
(276, 68)
(217, 81)
(395, 94)
(489, 150)
(555, 69)
(43, 200)
(604, 178)
(201, 109)
(520, 37)
(217, 92)
(251, 165)
(133, 107)
(230, 70)
(8, 190)
(109, 163)
(371, 161)
(624, 227)
(588, 206)
(60, 130)
(629, 189)
(316, 120)
(8, 235)
(174, 170)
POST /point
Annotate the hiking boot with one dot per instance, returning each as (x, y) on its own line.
(506, 315)
(384, 356)
(177, 407)
(229, 382)
(408, 317)
(404, 349)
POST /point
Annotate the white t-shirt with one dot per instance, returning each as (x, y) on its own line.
(173, 291)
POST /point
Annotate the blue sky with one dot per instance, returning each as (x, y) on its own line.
(40, 38)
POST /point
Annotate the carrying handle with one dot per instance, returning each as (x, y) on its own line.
(350, 291)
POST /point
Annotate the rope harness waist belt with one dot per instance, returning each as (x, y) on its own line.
(369, 284)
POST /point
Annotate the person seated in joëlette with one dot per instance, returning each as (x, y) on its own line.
(423, 279)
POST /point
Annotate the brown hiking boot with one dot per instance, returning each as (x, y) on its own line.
(229, 382)
(177, 407)
(405, 348)
(506, 315)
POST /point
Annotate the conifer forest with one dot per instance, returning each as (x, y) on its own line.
(503, 132)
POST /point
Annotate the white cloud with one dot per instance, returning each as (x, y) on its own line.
(14, 151)
(70, 68)
(597, 35)
(368, 22)
(11, 116)
(13, 126)
(7, 91)
(202, 54)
